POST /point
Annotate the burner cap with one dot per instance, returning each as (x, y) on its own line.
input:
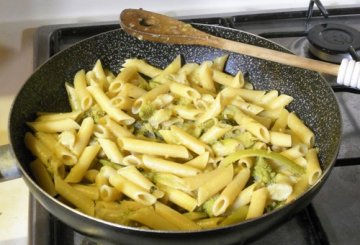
(331, 42)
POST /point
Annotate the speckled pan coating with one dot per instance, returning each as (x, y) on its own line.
(314, 102)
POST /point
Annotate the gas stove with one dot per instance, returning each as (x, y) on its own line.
(334, 214)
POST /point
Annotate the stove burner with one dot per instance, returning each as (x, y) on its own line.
(331, 42)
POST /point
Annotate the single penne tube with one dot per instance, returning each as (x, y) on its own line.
(100, 74)
(266, 121)
(105, 104)
(280, 139)
(301, 161)
(131, 90)
(280, 123)
(219, 62)
(191, 142)
(250, 108)
(229, 80)
(171, 180)
(215, 132)
(83, 135)
(244, 197)
(54, 126)
(199, 162)
(217, 183)
(75, 197)
(46, 116)
(42, 177)
(231, 191)
(184, 91)
(133, 174)
(279, 102)
(91, 191)
(187, 112)
(180, 198)
(194, 182)
(143, 67)
(313, 169)
(108, 193)
(149, 96)
(80, 84)
(165, 166)
(248, 95)
(111, 150)
(116, 129)
(122, 102)
(175, 217)
(301, 130)
(72, 96)
(298, 188)
(205, 76)
(174, 66)
(209, 223)
(153, 148)
(102, 132)
(132, 190)
(273, 114)
(132, 160)
(148, 217)
(125, 75)
(268, 97)
(295, 152)
(257, 203)
(78, 171)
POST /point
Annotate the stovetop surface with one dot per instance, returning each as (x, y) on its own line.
(333, 217)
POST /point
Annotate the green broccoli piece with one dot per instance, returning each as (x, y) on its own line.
(95, 112)
(246, 138)
(208, 206)
(145, 129)
(146, 111)
(262, 171)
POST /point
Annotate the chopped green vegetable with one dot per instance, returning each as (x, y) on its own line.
(95, 113)
(274, 205)
(277, 157)
(146, 111)
(208, 205)
(246, 138)
(145, 129)
(262, 171)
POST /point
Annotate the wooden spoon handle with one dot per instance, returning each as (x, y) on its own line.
(160, 28)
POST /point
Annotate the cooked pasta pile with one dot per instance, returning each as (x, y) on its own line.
(187, 147)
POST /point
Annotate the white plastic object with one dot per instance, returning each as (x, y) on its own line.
(349, 73)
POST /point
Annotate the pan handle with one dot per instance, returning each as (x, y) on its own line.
(8, 167)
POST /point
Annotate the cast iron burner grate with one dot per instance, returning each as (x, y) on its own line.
(331, 42)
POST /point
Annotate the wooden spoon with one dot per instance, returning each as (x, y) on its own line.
(160, 28)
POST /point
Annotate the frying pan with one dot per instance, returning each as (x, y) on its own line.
(314, 101)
